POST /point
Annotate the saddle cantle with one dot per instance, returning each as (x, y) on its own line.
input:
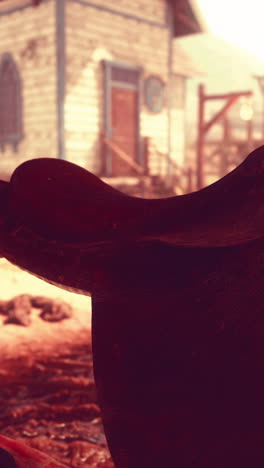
(177, 292)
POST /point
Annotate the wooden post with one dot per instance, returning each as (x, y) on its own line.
(260, 80)
(263, 115)
(225, 147)
(189, 180)
(102, 149)
(249, 135)
(146, 145)
(200, 140)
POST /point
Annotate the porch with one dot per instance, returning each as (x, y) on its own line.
(157, 176)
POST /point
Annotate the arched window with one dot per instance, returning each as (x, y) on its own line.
(10, 103)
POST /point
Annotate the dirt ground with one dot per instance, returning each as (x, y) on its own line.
(48, 397)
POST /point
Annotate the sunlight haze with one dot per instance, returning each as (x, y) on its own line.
(237, 21)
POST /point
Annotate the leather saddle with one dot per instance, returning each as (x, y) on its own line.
(177, 293)
(61, 201)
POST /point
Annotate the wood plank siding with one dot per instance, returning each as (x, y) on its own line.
(60, 49)
(28, 34)
(112, 33)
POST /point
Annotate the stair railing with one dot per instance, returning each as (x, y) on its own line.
(182, 177)
(123, 156)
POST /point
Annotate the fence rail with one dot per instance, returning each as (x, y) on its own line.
(179, 179)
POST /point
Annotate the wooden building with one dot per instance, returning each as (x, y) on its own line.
(241, 129)
(93, 82)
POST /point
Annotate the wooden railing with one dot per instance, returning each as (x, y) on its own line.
(141, 172)
(182, 179)
(123, 156)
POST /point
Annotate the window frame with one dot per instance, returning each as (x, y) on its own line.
(12, 138)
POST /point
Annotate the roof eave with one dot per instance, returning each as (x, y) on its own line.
(188, 18)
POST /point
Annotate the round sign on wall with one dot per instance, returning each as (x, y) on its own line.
(154, 93)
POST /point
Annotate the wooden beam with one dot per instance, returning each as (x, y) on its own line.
(220, 114)
(211, 97)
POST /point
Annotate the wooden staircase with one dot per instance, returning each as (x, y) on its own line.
(139, 180)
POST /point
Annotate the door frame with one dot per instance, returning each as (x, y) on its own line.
(107, 108)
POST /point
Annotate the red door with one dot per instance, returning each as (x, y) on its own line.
(124, 117)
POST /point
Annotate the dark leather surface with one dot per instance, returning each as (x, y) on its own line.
(6, 460)
(71, 204)
(177, 291)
